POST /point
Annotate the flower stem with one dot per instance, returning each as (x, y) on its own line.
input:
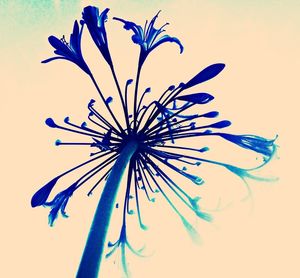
(125, 109)
(138, 74)
(93, 252)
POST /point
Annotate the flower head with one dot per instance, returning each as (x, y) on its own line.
(95, 23)
(152, 142)
(69, 51)
(148, 37)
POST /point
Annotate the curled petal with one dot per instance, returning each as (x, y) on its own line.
(167, 38)
(69, 51)
(59, 203)
(245, 173)
(252, 142)
(191, 230)
(148, 37)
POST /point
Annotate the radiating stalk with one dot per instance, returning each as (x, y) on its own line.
(93, 251)
(136, 90)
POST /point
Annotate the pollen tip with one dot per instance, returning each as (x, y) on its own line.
(198, 181)
(131, 212)
(204, 149)
(57, 142)
(128, 82)
(91, 103)
(49, 122)
(109, 100)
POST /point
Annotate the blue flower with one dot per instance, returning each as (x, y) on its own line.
(59, 203)
(69, 51)
(148, 37)
(151, 144)
(252, 142)
(95, 23)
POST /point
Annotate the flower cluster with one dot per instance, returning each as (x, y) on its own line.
(157, 130)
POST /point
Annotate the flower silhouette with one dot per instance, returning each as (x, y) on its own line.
(148, 37)
(96, 24)
(69, 51)
(151, 143)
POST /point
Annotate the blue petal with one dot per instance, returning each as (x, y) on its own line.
(53, 215)
(40, 197)
(58, 44)
(70, 52)
(53, 58)
(167, 38)
(59, 203)
(211, 114)
(199, 98)
(74, 38)
(206, 74)
(221, 124)
(95, 23)
(137, 29)
(252, 142)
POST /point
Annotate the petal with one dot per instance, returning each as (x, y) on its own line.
(53, 215)
(74, 38)
(167, 38)
(40, 197)
(53, 58)
(220, 124)
(199, 98)
(95, 23)
(58, 44)
(252, 142)
(212, 114)
(94, 20)
(138, 36)
(206, 74)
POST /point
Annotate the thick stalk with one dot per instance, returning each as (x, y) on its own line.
(93, 252)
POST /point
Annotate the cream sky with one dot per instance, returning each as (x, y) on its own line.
(259, 42)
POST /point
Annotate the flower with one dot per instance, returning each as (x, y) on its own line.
(69, 51)
(149, 143)
(95, 23)
(148, 37)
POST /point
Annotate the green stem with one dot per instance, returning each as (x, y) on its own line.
(93, 252)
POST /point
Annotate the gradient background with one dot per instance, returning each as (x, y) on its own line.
(259, 91)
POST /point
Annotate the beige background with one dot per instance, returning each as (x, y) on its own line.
(258, 91)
